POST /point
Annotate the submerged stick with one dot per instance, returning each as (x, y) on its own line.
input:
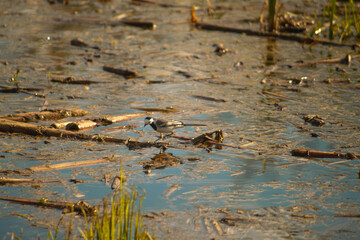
(5, 180)
(345, 60)
(154, 109)
(135, 23)
(284, 36)
(72, 80)
(34, 130)
(161, 4)
(70, 206)
(45, 115)
(9, 126)
(322, 154)
(69, 165)
(80, 125)
(120, 118)
(30, 91)
(120, 71)
(275, 95)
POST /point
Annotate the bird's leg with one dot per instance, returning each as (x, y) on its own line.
(169, 134)
(160, 138)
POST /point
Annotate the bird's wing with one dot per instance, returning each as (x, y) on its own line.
(169, 123)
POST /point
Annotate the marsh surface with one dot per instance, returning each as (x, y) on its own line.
(256, 191)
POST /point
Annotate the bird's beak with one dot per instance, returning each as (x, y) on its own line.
(145, 124)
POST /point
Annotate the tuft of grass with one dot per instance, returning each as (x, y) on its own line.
(355, 17)
(120, 218)
(339, 27)
(331, 18)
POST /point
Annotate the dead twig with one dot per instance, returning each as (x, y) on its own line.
(72, 80)
(120, 71)
(345, 60)
(69, 165)
(135, 23)
(30, 91)
(264, 93)
(284, 36)
(9, 126)
(150, 109)
(79, 206)
(120, 118)
(45, 115)
(322, 154)
(4, 180)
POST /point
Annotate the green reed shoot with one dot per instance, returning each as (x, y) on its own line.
(119, 219)
(355, 17)
(331, 18)
(272, 15)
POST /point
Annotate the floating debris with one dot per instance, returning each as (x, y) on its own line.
(118, 180)
(162, 160)
(323, 154)
(172, 189)
(136, 23)
(220, 49)
(78, 207)
(47, 114)
(154, 109)
(209, 98)
(207, 140)
(120, 118)
(69, 164)
(80, 125)
(72, 80)
(81, 43)
(121, 71)
(314, 120)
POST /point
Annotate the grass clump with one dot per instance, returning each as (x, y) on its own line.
(119, 219)
(343, 21)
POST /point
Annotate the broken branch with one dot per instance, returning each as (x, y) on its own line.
(69, 165)
(284, 36)
(45, 115)
(322, 154)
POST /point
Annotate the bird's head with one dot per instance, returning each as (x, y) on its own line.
(148, 121)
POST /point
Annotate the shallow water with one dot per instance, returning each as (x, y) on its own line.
(263, 180)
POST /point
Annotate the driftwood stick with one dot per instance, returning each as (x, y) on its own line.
(5, 180)
(77, 207)
(150, 109)
(284, 36)
(45, 115)
(165, 5)
(72, 80)
(120, 118)
(345, 60)
(322, 154)
(80, 125)
(30, 91)
(34, 130)
(69, 165)
(135, 23)
(121, 71)
(9, 126)
(263, 93)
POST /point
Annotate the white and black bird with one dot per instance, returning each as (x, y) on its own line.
(166, 126)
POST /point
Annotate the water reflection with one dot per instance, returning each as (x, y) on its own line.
(271, 52)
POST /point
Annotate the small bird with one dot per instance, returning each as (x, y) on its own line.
(166, 126)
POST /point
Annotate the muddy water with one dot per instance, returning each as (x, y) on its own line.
(271, 193)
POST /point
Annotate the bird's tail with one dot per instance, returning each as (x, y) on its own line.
(194, 124)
